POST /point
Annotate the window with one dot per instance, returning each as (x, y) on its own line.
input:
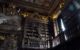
(65, 36)
(56, 41)
(56, 28)
(62, 25)
(71, 7)
(77, 5)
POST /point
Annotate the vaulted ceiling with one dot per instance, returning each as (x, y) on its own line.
(45, 7)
